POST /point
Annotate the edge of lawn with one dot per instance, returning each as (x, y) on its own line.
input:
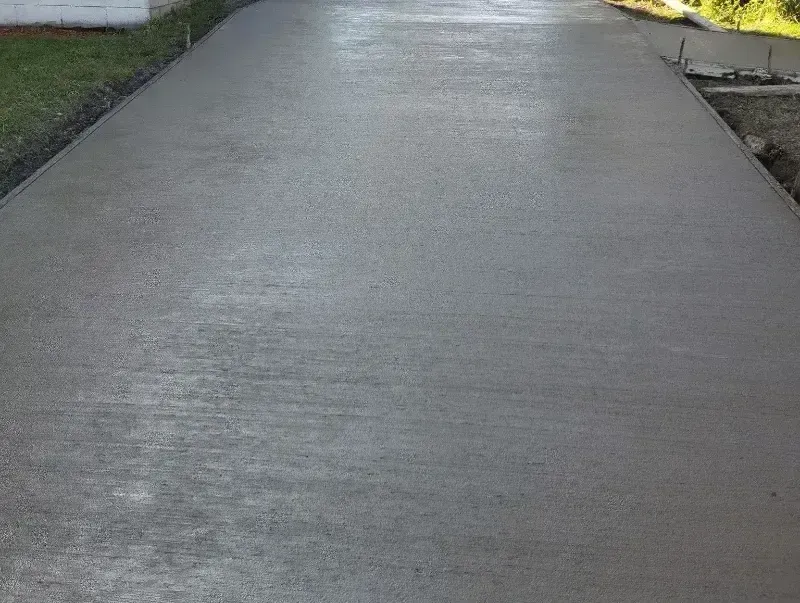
(129, 90)
(639, 9)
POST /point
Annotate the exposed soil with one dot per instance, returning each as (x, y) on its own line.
(773, 118)
(50, 32)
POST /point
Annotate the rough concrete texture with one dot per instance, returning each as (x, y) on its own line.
(402, 301)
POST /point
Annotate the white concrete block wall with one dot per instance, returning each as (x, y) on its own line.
(159, 7)
(76, 13)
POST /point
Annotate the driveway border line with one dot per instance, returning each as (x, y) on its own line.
(14, 192)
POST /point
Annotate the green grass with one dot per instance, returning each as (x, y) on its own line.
(763, 17)
(784, 29)
(45, 79)
(757, 16)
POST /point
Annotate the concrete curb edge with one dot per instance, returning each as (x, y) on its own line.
(14, 192)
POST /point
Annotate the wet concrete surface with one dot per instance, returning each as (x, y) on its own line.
(402, 301)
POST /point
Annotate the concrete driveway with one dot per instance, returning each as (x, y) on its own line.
(402, 300)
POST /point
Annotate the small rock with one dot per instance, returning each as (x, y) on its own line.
(765, 151)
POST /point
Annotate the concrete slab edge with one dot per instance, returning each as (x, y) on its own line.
(14, 192)
(720, 70)
(776, 90)
(793, 206)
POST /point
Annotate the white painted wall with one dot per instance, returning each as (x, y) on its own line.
(82, 13)
(159, 7)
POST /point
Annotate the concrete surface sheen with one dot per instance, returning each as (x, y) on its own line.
(402, 301)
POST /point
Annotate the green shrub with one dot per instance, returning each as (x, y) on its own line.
(732, 11)
(789, 8)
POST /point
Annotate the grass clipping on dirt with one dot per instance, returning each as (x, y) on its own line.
(55, 83)
(649, 10)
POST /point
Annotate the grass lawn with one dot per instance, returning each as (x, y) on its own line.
(48, 75)
(763, 22)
